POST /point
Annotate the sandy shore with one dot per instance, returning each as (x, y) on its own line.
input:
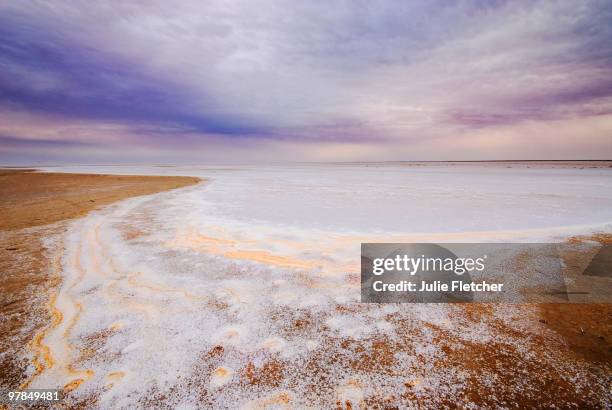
(34, 206)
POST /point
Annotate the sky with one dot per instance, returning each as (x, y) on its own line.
(273, 81)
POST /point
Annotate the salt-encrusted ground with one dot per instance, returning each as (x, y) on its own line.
(244, 292)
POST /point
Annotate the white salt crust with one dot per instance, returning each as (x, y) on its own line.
(235, 294)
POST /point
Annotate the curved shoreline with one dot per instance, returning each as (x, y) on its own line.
(586, 344)
(497, 324)
(35, 206)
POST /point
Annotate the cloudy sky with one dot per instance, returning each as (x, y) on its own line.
(260, 81)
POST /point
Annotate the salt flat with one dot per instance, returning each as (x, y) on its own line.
(244, 291)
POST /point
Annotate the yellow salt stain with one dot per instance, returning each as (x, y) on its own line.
(355, 383)
(94, 241)
(229, 337)
(76, 262)
(42, 357)
(68, 387)
(221, 376)
(107, 259)
(195, 236)
(55, 312)
(352, 391)
(111, 287)
(195, 240)
(273, 344)
(221, 372)
(199, 238)
(111, 291)
(79, 308)
(115, 376)
(85, 374)
(270, 259)
(282, 399)
(231, 334)
(116, 326)
(112, 378)
(413, 382)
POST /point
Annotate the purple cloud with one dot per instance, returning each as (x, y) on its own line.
(387, 73)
